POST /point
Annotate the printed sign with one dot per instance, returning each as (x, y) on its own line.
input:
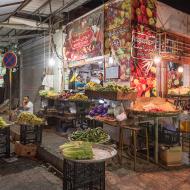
(85, 38)
(143, 45)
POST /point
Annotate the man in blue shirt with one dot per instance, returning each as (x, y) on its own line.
(79, 83)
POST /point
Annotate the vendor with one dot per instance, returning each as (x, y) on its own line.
(79, 83)
(27, 105)
(100, 77)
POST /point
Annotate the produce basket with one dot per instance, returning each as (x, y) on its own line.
(30, 134)
(83, 176)
(5, 142)
(101, 153)
(154, 114)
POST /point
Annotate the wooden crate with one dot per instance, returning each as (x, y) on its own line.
(29, 150)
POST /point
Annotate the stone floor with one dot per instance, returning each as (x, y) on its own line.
(26, 174)
(162, 180)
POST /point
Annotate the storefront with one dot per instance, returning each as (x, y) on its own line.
(111, 78)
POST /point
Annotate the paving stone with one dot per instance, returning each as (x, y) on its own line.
(27, 174)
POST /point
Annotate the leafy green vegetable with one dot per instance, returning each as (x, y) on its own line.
(97, 135)
(78, 150)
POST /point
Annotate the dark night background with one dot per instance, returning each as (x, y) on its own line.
(182, 5)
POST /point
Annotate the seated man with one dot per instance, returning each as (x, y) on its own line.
(27, 105)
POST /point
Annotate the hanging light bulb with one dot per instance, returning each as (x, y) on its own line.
(157, 59)
(51, 62)
(180, 69)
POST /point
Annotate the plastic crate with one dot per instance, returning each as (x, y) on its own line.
(30, 134)
(83, 176)
(5, 142)
(168, 137)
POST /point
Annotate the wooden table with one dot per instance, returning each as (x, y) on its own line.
(156, 116)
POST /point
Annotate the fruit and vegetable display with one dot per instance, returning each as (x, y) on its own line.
(64, 95)
(107, 118)
(112, 87)
(78, 97)
(93, 86)
(43, 93)
(175, 78)
(3, 123)
(29, 119)
(96, 135)
(154, 104)
(99, 110)
(48, 93)
(77, 150)
(179, 91)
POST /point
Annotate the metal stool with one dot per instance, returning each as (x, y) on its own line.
(134, 132)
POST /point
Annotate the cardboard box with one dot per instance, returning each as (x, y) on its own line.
(185, 126)
(171, 156)
(29, 150)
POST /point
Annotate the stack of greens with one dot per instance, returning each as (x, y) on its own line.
(77, 150)
(97, 135)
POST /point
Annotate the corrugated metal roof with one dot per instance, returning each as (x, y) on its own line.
(4, 31)
(4, 2)
(33, 5)
(55, 4)
(4, 17)
(8, 9)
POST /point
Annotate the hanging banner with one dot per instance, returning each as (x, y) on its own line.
(144, 12)
(118, 34)
(85, 38)
(143, 45)
(143, 68)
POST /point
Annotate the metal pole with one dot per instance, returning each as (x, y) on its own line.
(10, 92)
(156, 140)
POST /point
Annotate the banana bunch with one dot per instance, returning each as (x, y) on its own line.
(2, 123)
(29, 119)
(78, 97)
(52, 94)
